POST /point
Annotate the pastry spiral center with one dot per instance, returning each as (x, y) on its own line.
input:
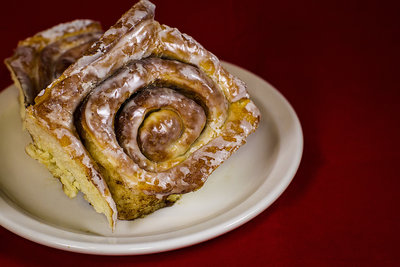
(118, 113)
(158, 126)
(159, 134)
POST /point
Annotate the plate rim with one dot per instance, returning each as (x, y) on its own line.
(42, 233)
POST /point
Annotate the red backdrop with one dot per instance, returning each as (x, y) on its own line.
(337, 64)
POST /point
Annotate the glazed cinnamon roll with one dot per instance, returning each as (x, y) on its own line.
(146, 109)
(40, 59)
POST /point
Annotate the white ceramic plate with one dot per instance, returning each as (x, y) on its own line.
(33, 205)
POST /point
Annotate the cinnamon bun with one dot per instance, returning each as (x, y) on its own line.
(40, 59)
(146, 111)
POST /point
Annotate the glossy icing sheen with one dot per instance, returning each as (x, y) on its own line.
(163, 86)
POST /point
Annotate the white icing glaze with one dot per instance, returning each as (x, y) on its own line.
(250, 107)
(139, 15)
(190, 73)
(41, 92)
(184, 170)
(246, 126)
(60, 132)
(61, 29)
(104, 112)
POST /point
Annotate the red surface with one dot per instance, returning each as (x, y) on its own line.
(337, 62)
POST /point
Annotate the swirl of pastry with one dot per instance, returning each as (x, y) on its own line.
(147, 109)
(159, 125)
(182, 112)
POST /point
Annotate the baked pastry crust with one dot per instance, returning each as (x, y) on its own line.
(146, 109)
